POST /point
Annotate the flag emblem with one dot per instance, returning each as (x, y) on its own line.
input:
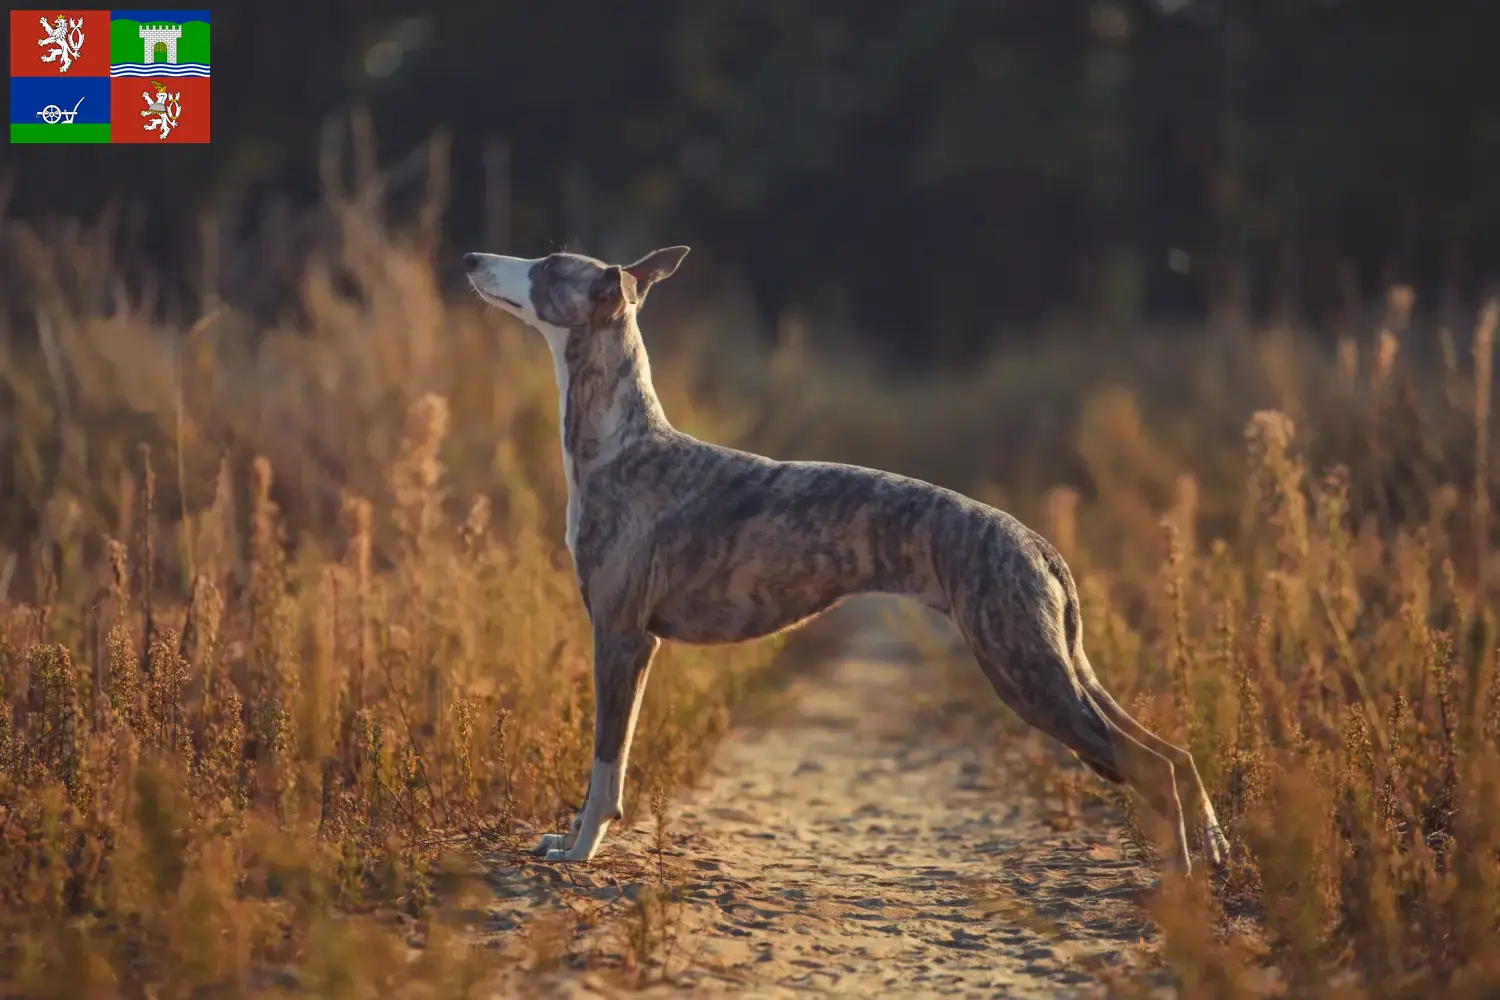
(76, 76)
(63, 39)
(166, 109)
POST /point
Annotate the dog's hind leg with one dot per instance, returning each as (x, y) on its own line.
(1040, 687)
(1215, 843)
(621, 663)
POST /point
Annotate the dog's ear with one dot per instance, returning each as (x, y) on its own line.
(653, 267)
(612, 292)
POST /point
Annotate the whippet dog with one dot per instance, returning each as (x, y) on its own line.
(673, 538)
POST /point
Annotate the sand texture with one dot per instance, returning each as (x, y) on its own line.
(844, 844)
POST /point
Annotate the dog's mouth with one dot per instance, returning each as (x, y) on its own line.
(499, 300)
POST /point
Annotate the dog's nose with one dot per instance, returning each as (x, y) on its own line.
(471, 261)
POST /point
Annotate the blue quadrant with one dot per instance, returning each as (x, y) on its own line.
(160, 16)
(32, 94)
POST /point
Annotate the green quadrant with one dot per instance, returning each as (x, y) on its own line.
(72, 132)
(126, 46)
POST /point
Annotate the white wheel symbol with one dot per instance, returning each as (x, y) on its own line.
(51, 114)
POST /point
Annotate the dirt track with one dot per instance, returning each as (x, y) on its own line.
(841, 847)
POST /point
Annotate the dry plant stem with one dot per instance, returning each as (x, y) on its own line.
(1484, 349)
(145, 853)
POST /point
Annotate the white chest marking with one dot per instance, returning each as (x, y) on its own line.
(557, 339)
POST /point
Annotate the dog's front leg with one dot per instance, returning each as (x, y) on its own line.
(621, 662)
(551, 841)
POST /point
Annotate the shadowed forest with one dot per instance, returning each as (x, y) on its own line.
(293, 667)
(940, 176)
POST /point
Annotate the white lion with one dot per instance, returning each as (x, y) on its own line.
(67, 36)
(165, 106)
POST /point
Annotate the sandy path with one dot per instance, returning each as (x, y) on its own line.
(841, 847)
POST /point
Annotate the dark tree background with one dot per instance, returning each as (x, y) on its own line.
(939, 174)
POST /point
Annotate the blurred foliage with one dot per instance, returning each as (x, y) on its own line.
(935, 175)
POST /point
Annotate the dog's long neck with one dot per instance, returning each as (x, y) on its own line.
(607, 401)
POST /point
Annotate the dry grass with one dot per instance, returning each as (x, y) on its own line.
(1331, 662)
(284, 624)
(283, 629)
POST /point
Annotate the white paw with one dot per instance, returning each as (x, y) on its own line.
(557, 854)
(548, 843)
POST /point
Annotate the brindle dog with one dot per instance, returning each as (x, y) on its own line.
(674, 538)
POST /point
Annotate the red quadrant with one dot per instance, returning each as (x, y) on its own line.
(26, 55)
(127, 124)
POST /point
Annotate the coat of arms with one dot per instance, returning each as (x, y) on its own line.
(167, 108)
(66, 39)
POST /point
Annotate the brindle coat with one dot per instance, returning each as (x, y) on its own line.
(674, 538)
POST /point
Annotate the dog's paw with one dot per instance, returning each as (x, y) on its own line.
(548, 845)
(558, 854)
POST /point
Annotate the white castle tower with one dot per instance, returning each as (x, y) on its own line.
(168, 34)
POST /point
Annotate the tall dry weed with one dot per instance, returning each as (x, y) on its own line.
(246, 708)
(245, 705)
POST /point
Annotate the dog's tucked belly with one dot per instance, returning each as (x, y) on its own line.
(704, 621)
(782, 586)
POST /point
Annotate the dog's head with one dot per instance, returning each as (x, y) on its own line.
(565, 292)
